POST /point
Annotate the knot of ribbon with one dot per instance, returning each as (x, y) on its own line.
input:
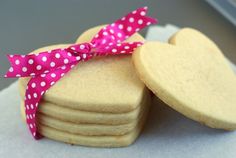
(46, 68)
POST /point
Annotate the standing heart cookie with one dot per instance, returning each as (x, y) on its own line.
(192, 76)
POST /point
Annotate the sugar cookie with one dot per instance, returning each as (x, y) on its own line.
(95, 141)
(92, 129)
(192, 76)
(80, 116)
(103, 84)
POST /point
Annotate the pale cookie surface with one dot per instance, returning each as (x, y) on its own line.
(192, 77)
(86, 128)
(103, 84)
(95, 141)
(80, 116)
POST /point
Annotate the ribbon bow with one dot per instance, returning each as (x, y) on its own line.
(46, 68)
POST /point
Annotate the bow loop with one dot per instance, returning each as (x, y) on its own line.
(122, 28)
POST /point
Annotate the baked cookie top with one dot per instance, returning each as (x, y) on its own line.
(102, 84)
(192, 76)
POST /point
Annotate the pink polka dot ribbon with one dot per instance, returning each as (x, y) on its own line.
(46, 68)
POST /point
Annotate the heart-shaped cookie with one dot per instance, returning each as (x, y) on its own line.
(192, 76)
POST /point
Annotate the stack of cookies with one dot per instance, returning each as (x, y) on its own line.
(99, 103)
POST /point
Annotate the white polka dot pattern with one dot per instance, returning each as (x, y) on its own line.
(46, 68)
(120, 30)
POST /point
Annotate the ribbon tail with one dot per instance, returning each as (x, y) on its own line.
(21, 65)
(10, 73)
(35, 90)
(35, 64)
